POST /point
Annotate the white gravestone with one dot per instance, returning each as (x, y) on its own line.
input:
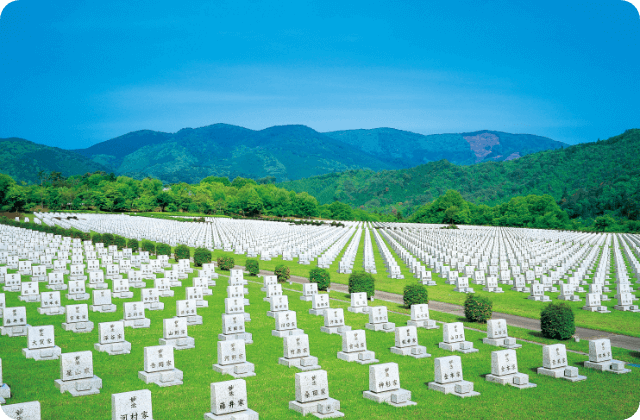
(195, 293)
(233, 328)
(537, 293)
(462, 285)
(448, 378)
(121, 289)
(175, 333)
(229, 401)
(278, 304)
(159, 367)
(41, 344)
(600, 358)
(135, 279)
(50, 304)
(14, 322)
(96, 280)
(407, 343)
(237, 292)
(56, 281)
(76, 374)
(312, 396)
(354, 348)
(78, 319)
(554, 364)
(3, 304)
(12, 282)
(286, 324)
(359, 303)
(111, 338)
(384, 386)
(102, 301)
(624, 303)
(77, 290)
(236, 306)
(497, 335)
(232, 359)
(453, 339)
(188, 310)
(420, 317)
(151, 299)
(133, 405)
(272, 290)
(593, 304)
(504, 370)
(308, 290)
(319, 303)
(22, 411)
(203, 284)
(269, 280)
(297, 353)
(334, 322)
(491, 285)
(134, 316)
(379, 321)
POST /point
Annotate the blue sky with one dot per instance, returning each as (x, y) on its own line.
(74, 73)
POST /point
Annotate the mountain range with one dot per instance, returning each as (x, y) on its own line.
(285, 153)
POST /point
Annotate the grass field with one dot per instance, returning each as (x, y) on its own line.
(602, 396)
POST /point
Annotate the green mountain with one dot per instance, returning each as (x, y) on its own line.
(406, 149)
(22, 160)
(587, 179)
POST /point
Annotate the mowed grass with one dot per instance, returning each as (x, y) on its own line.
(602, 396)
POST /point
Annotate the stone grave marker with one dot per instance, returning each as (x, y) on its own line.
(237, 292)
(537, 293)
(286, 324)
(233, 328)
(175, 333)
(554, 364)
(29, 291)
(41, 344)
(334, 322)
(22, 411)
(111, 339)
(78, 319)
(354, 348)
(203, 284)
(593, 304)
(308, 290)
(407, 343)
(497, 335)
(600, 358)
(384, 386)
(132, 405)
(159, 367)
(3, 304)
(102, 301)
(76, 374)
(491, 285)
(379, 321)
(96, 280)
(232, 359)
(272, 290)
(453, 339)
(504, 370)
(5, 391)
(195, 293)
(121, 289)
(12, 282)
(14, 322)
(50, 304)
(188, 310)
(236, 306)
(449, 379)
(297, 353)
(624, 303)
(319, 303)
(56, 281)
(77, 290)
(135, 279)
(134, 316)
(229, 401)
(462, 285)
(359, 303)
(39, 273)
(312, 396)
(420, 317)
(278, 304)
(151, 299)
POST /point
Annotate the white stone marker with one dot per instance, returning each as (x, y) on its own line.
(56, 282)
(238, 292)
(203, 284)
(624, 303)
(159, 367)
(312, 396)
(175, 333)
(12, 282)
(121, 289)
(334, 322)
(134, 316)
(319, 303)
(112, 339)
(566, 293)
(379, 321)
(76, 374)
(188, 310)
(491, 285)
(133, 405)
(236, 306)
(462, 285)
(195, 293)
(600, 357)
(272, 290)
(426, 279)
(537, 293)
(102, 301)
(286, 324)
(407, 343)
(3, 304)
(151, 299)
(449, 379)
(384, 386)
(278, 304)
(22, 411)
(354, 348)
(420, 317)
(453, 339)
(554, 364)
(135, 279)
(96, 280)
(229, 401)
(233, 328)
(232, 359)
(268, 280)
(77, 290)
(593, 304)
(297, 353)
(308, 290)
(5, 391)
(497, 335)
(50, 304)
(359, 303)
(78, 319)
(41, 344)
(504, 370)
(14, 322)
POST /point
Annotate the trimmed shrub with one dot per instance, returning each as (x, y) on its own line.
(133, 244)
(320, 276)
(119, 241)
(557, 321)
(360, 281)
(415, 294)
(201, 256)
(182, 252)
(282, 271)
(477, 308)
(163, 249)
(85, 236)
(253, 267)
(96, 238)
(148, 246)
(107, 239)
(226, 263)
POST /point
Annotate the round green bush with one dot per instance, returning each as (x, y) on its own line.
(182, 252)
(477, 308)
(253, 267)
(96, 238)
(557, 321)
(133, 244)
(120, 242)
(148, 246)
(415, 294)
(201, 256)
(163, 249)
(320, 276)
(107, 239)
(360, 281)
(282, 271)
(226, 263)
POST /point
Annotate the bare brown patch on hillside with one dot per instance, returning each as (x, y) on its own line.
(481, 144)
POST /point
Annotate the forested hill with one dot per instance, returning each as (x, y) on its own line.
(22, 160)
(588, 179)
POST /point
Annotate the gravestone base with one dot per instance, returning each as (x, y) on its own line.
(113, 349)
(247, 414)
(560, 373)
(78, 327)
(387, 327)
(450, 282)
(138, 323)
(98, 285)
(302, 363)
(77, 296)
(613, 366)
(272, 314)
(520, 289)
(58, 310)
(464, 290)
(162, 379)
(429, 283)
(5, 393)
(428, 324)
(240, 370)
(80, 387)
(154, 306)
(41, 279)
(184, 343)
(202, 304)
(570, 298)
(502, 342)
(492, 290)
(165, 293)
(103, 308)
(317, 312)
(417, 352)
(462, 346)
(543, 298)
(364, 357)
(78, 278)
(462, 389)
(114, 277)
(550, 289)
(212, 282)
(15, 331)
(247, 317)
(318, 408)
(627, 308)
(11, 288)
(305, 298)
(335, 330)
(123, 295)
(359, 309)
(52, 353)
(149, 277)
(518, 380)
(57, 287)
(137, 284)
(604, 297)
(397, 398)
(193, 319)
(247, 337)
(176, 283)
(599, 309)
(286, 333)
(29, 298)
